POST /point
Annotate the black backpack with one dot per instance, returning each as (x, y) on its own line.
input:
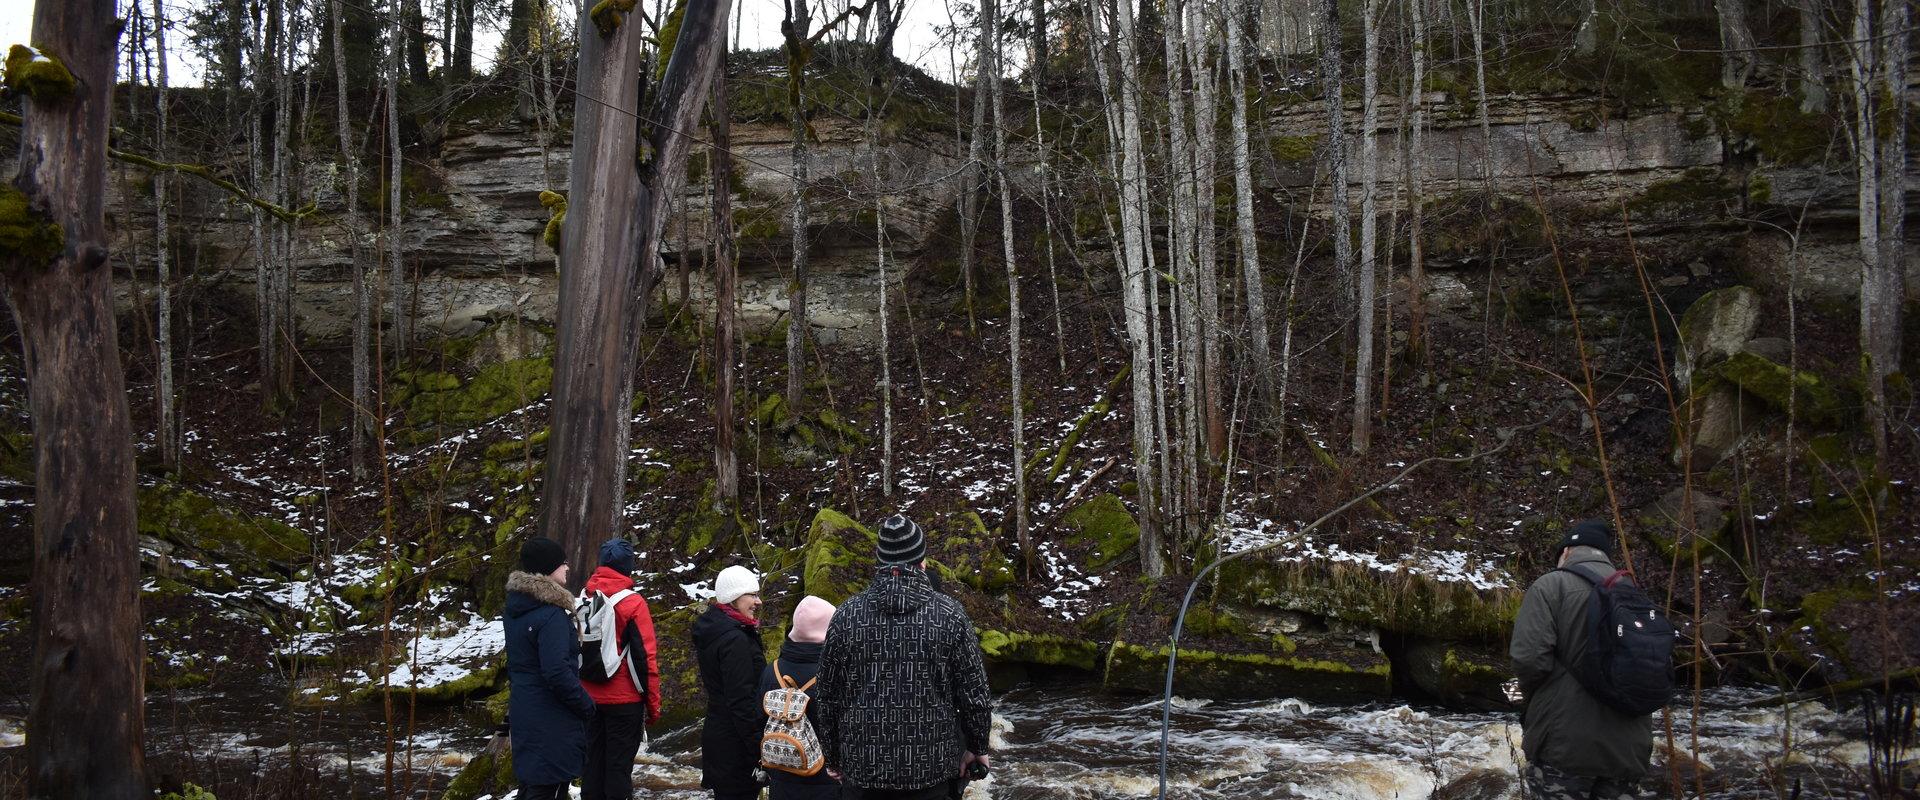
(1629, 660)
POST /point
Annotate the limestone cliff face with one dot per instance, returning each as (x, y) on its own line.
(474, 220)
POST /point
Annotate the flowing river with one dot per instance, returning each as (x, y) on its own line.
(1063, 740)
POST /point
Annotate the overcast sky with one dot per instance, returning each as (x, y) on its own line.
(917, 42)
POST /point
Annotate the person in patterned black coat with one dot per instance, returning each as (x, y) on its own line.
(900, 675)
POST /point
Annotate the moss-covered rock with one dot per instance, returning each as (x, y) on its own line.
(1103, 524)
(1667, 524)
(489, 773)
(1459, 675)
(1813, 400)
(1034, 648)
(1713, 328)
(1344, 675)
(839, 557)
(224, 542)
(495, 390)
(1392, 601)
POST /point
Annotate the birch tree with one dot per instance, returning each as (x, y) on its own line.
(1018, 433)
(1134, 277)
(976, 158)
(86, 714)
(1212, 401)
(1416, 174)
(1878, 54)
(795, 27)
(1336, 149)
(399, 305)
(1259, 344)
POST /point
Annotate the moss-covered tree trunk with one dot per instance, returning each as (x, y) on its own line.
(623, 175)
(84, 728)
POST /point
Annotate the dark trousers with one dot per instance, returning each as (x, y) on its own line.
(613, 737)
(719, 794)
(938, 791)
(547, 791)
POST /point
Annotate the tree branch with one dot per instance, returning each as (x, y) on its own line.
(199, 171)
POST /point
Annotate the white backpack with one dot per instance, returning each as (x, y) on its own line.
(601, 653)
(789, 743)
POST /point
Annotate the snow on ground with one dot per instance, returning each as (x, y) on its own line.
(442, 655)
(1450, 566)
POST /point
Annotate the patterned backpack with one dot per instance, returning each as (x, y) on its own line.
(789, 743)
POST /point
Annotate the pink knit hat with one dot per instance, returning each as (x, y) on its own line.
(810, 620)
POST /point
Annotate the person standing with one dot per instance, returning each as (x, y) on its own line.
(726, 642)
(547, 710)
(799, 663)
(1578, 747)
(630, 700)
(903, 688)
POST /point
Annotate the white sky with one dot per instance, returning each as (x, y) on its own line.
(917, 41)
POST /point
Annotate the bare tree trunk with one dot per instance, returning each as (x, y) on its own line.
(362, 398)
(1184, 218)
(1586, 40)
(398, 282)
(1336, 149)
(169, 427)
(1134, 277)
(460, 61)
(970, 182)
(264, 260)
(796, 27)
(1256, 305)
(1736, 40)
(1037, 41)
(1879, 51)
(1046, 219)
(1213, 400)
(1476, 19)
(1416, 175)
(416, 48)
(1013, 301)
(726, 460)
(608, 257)
(1369, 231)
(1813, 61)
(84, 724)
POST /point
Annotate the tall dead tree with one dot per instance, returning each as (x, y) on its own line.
(623, 175)
(726, 460)
(84, 724)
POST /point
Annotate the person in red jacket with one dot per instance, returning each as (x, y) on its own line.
(625, 708)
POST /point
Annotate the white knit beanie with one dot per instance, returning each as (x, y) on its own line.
(733, 582)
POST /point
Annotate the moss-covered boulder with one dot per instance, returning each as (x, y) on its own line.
(441, 398)
(1104, 526)
(839, 557)
(1399, 601)
(1459, 675)
(489, 773)
(971, 557)
(1810, 398)
(1335, 674)
(1715, 327)
(216, 543)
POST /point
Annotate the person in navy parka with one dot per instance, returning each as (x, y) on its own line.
(547, 710)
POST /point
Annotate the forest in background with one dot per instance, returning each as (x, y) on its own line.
(1196, 276)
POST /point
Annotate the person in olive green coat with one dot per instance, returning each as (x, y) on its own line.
(1576, 746)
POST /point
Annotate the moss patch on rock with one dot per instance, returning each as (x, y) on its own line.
(1354, 675)
(1813, 400)
(839, 557)
(240, 543)
(1035, 648)
(1400, 602)
(1103, 524)
(431, 397)
(489, 773)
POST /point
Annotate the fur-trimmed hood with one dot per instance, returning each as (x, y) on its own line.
(540, 588)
